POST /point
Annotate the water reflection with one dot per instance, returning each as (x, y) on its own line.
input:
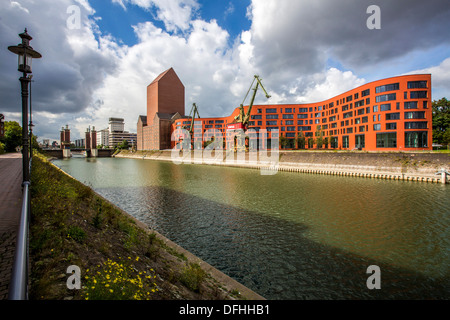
(289, 236)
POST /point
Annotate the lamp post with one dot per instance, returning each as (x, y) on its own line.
(26, 54)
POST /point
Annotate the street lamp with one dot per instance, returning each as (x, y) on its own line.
(26, 54)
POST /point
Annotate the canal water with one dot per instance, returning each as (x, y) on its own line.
(289, 235)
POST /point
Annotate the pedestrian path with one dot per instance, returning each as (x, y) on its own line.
(10, 210)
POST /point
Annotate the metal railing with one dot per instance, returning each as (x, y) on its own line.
(18, 287)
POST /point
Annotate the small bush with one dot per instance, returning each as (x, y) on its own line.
(76, 233)
(193, 276)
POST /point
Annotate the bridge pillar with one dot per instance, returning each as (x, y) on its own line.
(94, 153)
(66, 153)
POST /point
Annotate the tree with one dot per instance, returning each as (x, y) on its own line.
(441, 121)
(283, 141)
(319, 137)
(123, 145)
(13, 136)
(301, 140)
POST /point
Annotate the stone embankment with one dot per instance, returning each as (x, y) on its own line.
(406, 166)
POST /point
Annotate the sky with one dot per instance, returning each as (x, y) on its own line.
(98, 56)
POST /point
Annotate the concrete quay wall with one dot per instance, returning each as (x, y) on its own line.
(406, 166)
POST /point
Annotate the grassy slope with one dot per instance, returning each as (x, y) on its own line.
(71, 225)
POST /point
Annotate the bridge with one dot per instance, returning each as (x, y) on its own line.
(88, 153)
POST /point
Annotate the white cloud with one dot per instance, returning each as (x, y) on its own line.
(15, 4)
(440, 78)
(176, 14)
(328, 85)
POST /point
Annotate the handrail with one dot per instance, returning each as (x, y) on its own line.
(18, 289)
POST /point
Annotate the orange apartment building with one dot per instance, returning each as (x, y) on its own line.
(392, 114)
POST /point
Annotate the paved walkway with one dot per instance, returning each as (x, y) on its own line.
(10, 209)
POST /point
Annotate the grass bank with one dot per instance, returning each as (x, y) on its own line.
(118, 257)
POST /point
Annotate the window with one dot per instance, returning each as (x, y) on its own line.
(359, 103)
(410, 105)
(331, 119)
(290, 134)
(219, 121)
(386, 97)
(304, 128)
(385, 107)
(300, 122)
(272, 116)
(290, 128)
(416, 125)
(417, 84)
(271, 128)
(416, 139)
(365, 119)
(393, 116)
(418, 94)
(288, 116)
(289, 122)
(300, 110)
(365, 93)
(362, 128)
(318, 115)
(360, 141)
(345, 141)
(256, 117)
(259, 111)
(377, 127)
(360, 111)
(271, 110)
(415, 115)
(375, 108)
(387, 140)
(387, 87)
(391, 126)
(271, 123)
(348, 99)
(348, 114)
(288, 110)
(302, 116)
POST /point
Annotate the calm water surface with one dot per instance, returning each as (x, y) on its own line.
(290, 235)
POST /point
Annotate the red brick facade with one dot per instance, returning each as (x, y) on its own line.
(165, 103)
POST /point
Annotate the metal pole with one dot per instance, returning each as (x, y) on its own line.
(18, 288)
(25, 162)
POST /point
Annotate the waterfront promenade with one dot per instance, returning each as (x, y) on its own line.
(10, 209)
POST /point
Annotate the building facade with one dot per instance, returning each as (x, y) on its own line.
(165, 104)
(392, 114)
(65, 137)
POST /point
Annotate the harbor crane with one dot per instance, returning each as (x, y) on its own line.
(190, 128)
(242, 119)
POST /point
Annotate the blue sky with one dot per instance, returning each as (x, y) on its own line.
(304, 50)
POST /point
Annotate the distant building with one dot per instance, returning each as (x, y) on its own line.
(103, 137)
(65, 137)
(46, 143)
(90, 141)
(115, 134)
(79, 143)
